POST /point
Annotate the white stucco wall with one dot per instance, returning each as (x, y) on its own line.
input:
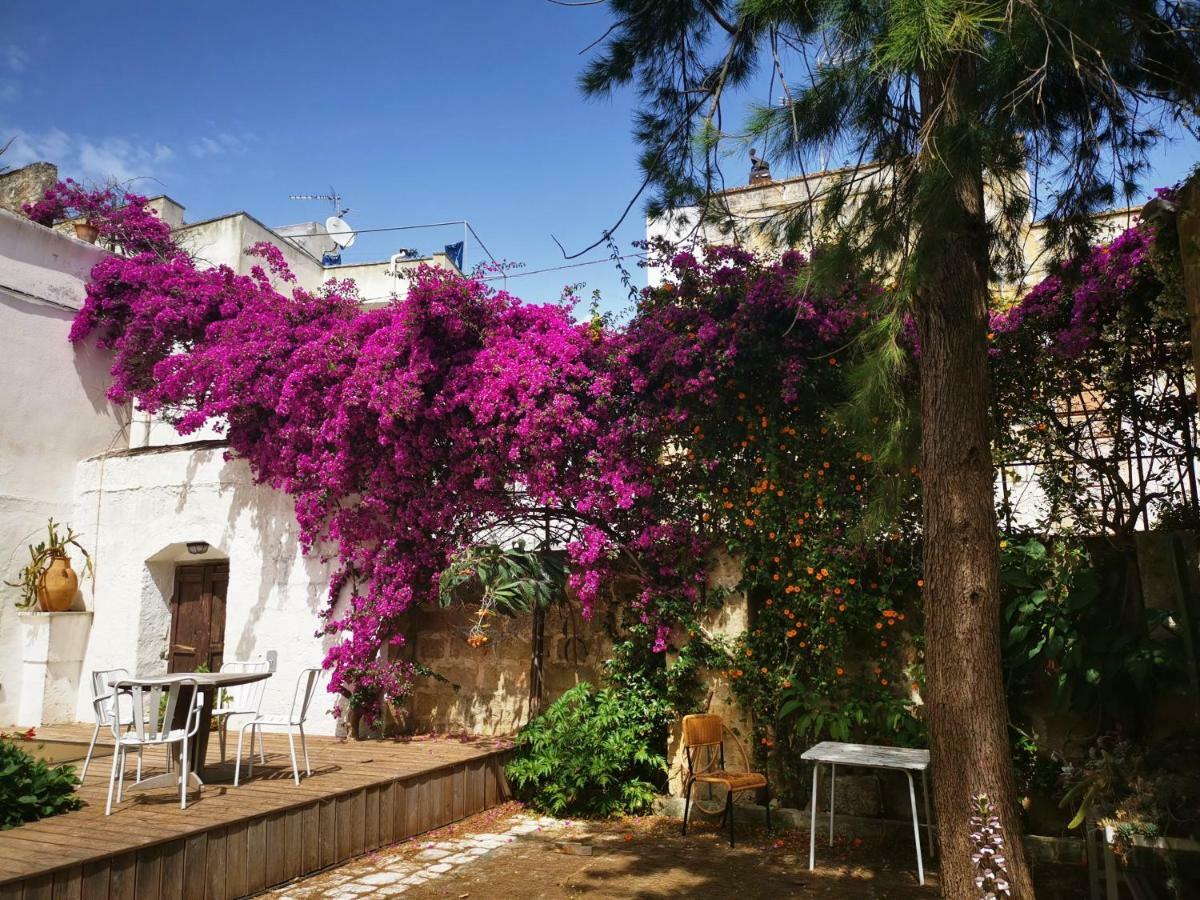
(149, 504)
(64, 452)
(52, 408)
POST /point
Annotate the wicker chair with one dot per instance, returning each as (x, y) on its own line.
(703, 736)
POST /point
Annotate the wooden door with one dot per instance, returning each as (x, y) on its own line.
(198, 617)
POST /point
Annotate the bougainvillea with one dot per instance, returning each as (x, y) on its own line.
(401, 432)
(122, 218)
(709, 420)
(1091, 398)
(747, 372)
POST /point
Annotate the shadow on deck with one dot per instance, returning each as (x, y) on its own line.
(230, 841)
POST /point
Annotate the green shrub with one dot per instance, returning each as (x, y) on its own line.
(30, 789)
(592, 753)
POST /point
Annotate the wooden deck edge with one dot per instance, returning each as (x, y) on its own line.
(259, 851)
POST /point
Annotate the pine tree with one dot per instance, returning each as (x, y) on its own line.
(962, 117)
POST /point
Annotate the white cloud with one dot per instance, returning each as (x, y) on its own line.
(117, 159)
(224, 142)
(15, 58)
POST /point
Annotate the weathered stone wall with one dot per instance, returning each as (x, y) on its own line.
(26, 184)
(487, 688)
(730, 620)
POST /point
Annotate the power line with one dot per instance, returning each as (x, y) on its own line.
(590, 262)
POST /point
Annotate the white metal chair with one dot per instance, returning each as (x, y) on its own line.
(153, 712)
(107, 707)
(244, 700)
(306, 687)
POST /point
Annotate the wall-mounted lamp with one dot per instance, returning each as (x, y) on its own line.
(197, 547)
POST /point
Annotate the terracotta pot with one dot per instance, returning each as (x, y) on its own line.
(57, 586)
(86, 231)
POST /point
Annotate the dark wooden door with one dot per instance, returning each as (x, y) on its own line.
(198, 617)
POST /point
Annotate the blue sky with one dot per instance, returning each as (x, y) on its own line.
(415, 112)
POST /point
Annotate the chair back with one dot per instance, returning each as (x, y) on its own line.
(306, 687)
(245, 697)
(703, 742)
(154, 706)
(105, 699)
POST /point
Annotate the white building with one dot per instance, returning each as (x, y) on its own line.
(139, 494)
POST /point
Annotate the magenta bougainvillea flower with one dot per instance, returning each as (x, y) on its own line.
(402, 432)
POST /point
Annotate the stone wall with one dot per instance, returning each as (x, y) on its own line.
(486, 690)
(26, 184)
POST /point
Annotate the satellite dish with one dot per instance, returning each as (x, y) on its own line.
(340, 231)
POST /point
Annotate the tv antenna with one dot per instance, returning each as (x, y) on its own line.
(333, 197)
(339, 229)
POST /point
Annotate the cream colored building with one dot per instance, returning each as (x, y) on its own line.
(753, 210)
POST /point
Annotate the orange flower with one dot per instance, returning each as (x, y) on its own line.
(920, 582)
(791, 632)
(883, 681)
(840, 670)
(879, 626)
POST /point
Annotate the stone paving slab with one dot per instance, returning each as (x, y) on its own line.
(394, 871)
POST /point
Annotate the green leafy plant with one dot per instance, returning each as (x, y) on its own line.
(594, 752)
(511, 580)
(30, 789)
(1056, 627)
(1136, 789)
(29, 579)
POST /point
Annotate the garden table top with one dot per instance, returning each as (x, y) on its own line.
(840, 754)
(203, 679)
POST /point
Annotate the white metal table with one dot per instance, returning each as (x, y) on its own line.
(834, 754)
(208, 684)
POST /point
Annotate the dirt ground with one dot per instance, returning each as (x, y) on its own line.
(646, 858)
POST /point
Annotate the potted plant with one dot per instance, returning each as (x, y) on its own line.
(86, 231)
(88, 207)
(48, 579)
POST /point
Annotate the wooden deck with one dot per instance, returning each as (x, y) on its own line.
(230, 841)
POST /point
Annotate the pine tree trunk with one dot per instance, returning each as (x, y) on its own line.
(965, 702)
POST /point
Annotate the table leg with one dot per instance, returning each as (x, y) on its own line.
(198, 745)
(928, 819)
(912, 796)
(812, 831)
(832, 789)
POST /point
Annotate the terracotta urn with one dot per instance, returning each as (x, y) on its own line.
(57, 586)
(86, 231)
